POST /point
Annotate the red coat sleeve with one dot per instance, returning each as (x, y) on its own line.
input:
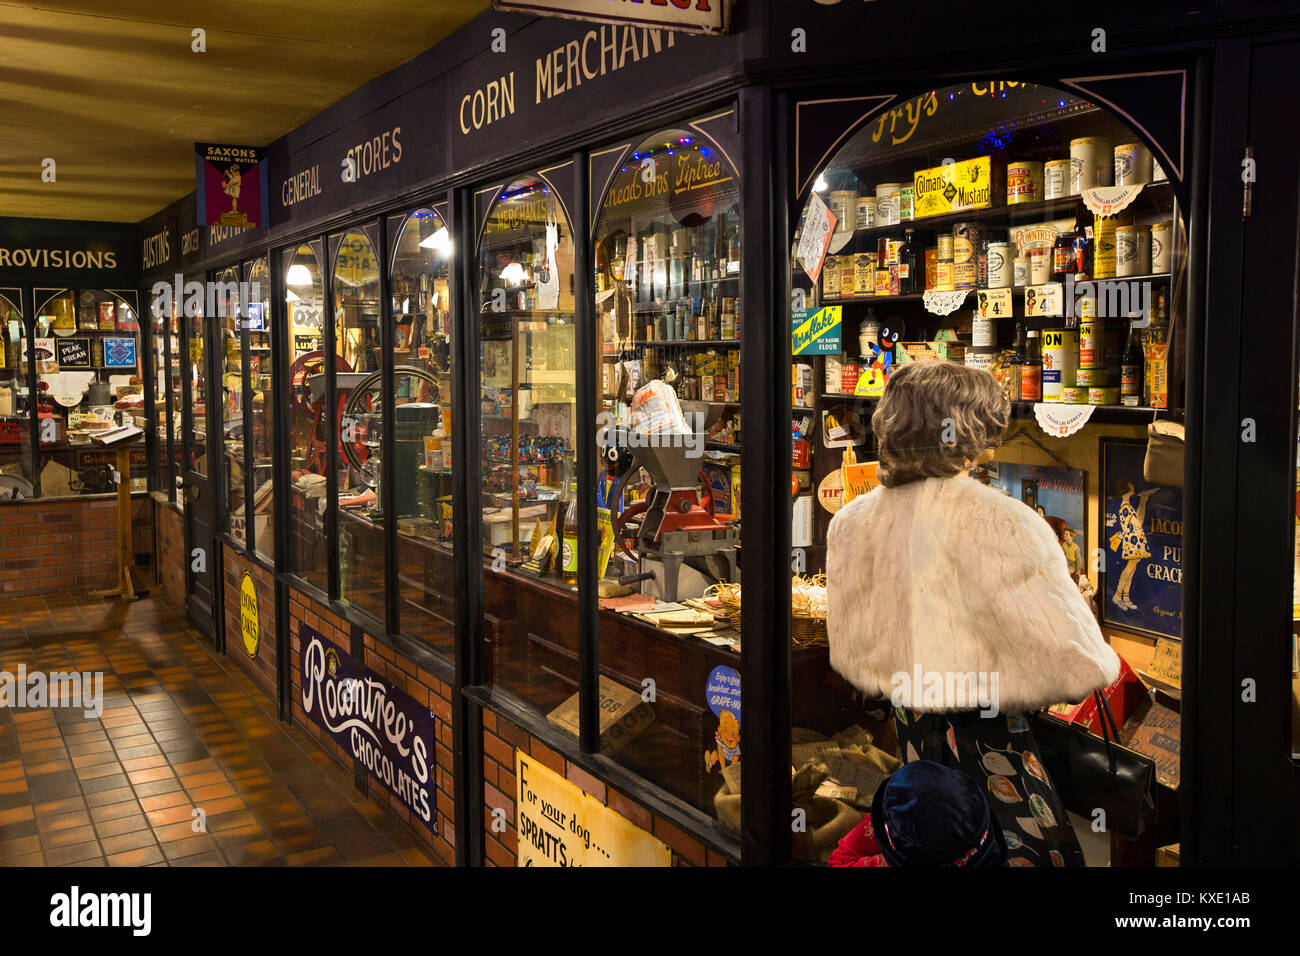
(858, 847)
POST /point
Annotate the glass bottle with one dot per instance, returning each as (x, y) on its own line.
(1063, 257)
(907, 263)
(1131, 368)
(1031, 372)
(568, 569)
(1016, 364)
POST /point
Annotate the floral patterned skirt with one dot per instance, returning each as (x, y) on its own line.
(1001, 754)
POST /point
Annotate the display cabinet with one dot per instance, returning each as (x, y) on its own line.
(16, 465)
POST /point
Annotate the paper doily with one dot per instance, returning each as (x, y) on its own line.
(943, 303)
(1059, 420)
(1109, 200)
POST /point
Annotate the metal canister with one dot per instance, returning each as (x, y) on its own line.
(1056, 179)
(849, 373)
(882, 281)
(1060, 360)
(887, 201)
(844, 203)
(848, 276)
(891, 251)
(1161, 246)
(1024, 181)
(1091, 164)
(1040, 265)
(1132, 164)
(866, 212)
(906, 208)
(1092, 350)
(864, 273)
(1074, 395)
(966, 240)
(1001, 265)
(981, 357)
(1132, 251)
(1107, 395)
(1092, 377)
(831, 277)
(1020, 271)
(943, 270)
(1104, 259)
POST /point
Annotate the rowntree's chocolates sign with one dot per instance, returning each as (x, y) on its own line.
(383, 727)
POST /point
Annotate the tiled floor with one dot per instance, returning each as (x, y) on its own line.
(182, 729)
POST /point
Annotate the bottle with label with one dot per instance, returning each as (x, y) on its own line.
(568, 563)
(1063, 257)
(1082, 243)
(1156, 372)
(1031, 372)
(1131, 369)
(1016, 364)
(907, 263)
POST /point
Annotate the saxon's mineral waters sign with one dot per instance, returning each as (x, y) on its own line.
(374, 721)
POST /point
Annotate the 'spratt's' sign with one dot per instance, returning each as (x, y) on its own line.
(693, 16)
(383, 727)
(559, 825)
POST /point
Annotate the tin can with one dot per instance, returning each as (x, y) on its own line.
(882, 280)
(945, 247)
(1074, 395)
(1132, 164)
(887, 203)
(1024, 182)
(834, 373)
(864, 273)
(831, 277)
(906, 208)
(1020, 271)
(1060, 359)
(981, 357)
(1056, 179)
(943, 277)
(931, 266)
(844, 203)
(966, 240)
(848, 276)
(984, 331)
(1091, 164)
(1001, 264)
(866, 212)
(891, 251)
(1161, 246)
(1092, 377)
(1103, 396)
(849, 373)
(1091, 346)
(1132, 251)
(1104, 259)
(1040, 265)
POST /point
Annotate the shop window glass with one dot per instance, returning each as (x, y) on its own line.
(362, 566)
(309, 422)
(669, 319)
(525, 303)
(89, 379)
(15, 406)
(969, 241)
(257, 316)
(420, 329)
(160, 465)
(231, 362)
(176, 390)
(196, 380)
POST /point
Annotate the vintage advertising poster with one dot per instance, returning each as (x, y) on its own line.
(1057, 494)
(231, 185)
(1142, 535)
(381, 726)
(559, 825)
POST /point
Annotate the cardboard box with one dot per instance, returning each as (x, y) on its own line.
(623, 715)
(718, 474)
(1169, 855)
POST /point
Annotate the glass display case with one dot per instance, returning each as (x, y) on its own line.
(1021, 230)
(361, 555)
(308, 425)
(668, 404)
(16, 476)
(89, 379)
(421, 332)
(525, 303)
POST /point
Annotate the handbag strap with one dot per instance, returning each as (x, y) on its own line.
(1108, 728)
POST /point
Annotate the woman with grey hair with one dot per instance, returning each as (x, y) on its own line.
(954, 601)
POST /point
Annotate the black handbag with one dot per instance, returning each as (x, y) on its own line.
(1091, 772)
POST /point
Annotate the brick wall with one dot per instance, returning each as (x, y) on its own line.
(64, 543)
(501, 738)
(262, 666)
(171, 551)
(417, 682)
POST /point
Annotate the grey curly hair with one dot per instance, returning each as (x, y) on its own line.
(935, 418)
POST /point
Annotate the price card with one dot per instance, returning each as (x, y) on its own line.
(1043, 300)
(993, 303)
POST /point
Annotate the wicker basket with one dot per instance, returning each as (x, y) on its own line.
(807, 620)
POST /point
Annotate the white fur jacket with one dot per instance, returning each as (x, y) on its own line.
(948, 576)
